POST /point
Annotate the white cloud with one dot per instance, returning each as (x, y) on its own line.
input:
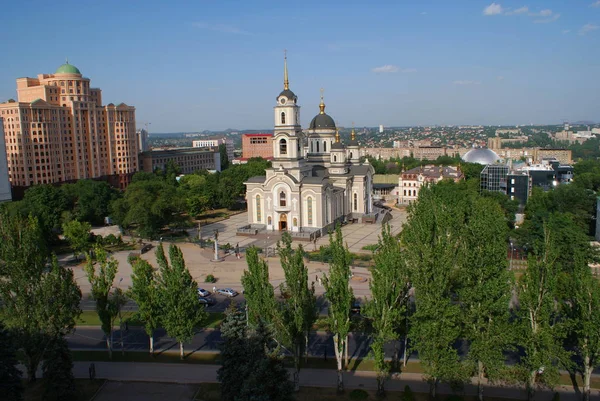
(493, 9)
(224, 28)
(545, 13)
(547, 20)
(388, 68)
(466, 82)
(565, 31)
(518, 11)
(587, 28)
(595, 4)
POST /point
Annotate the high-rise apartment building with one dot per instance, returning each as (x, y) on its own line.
(5, 190)
(142, 136)
(58, 130)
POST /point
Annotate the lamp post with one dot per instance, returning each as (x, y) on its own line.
(510, 266)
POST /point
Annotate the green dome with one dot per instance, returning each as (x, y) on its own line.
(67, 69)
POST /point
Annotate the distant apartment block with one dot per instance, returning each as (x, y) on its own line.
(189, 160)
(257, 145)
(58, 130)
(214, 143)
(411, 181)
(5, 190)
(142, 136)
(428, 152)
(562, 155)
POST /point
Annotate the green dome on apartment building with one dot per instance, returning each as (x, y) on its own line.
(67, 69)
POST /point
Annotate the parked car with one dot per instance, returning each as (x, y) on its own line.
(206, 301)
(228, 292)
(202, 292)
(355, 308)
(146, 248)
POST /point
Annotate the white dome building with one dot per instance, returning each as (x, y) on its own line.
(481, 156)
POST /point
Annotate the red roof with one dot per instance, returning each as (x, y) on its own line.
(265, 134)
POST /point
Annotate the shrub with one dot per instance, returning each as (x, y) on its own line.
(210, 279)
(372, 247)
(359, 394)
(408, 394)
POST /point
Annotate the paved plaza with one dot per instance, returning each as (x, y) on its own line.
(229, 271)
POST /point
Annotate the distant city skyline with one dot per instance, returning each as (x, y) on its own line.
(194, 66)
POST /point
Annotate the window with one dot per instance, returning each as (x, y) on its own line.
(355, 202)
(317, 147)
(258, 211)
(282, 117)
(282, 199)
(269, 220)
(405, 192)
(324, 146)
(309, 209)
(282, 147)
(295, 222)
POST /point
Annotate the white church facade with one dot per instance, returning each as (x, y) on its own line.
(315, 181)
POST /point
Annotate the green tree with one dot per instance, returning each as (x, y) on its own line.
(58, 372)
(78, 235)
(101, 276)
(224, 157)
(40, 301)
(339, 295)
(431, 240)
(484, 290)
(10, 376)
(541, 332)
(297, 312)
(251, 355)
(148, 205)
(582, 304)
(390, 288)
(144, 291)
(258, 291)
(181, 311)
(46, 203)
(89, 200)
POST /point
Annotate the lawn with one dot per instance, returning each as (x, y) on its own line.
(85, 390)
(213, 216)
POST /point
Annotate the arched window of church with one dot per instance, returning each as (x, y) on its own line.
(355, 202)
(324, 146)
(295, 222)
(282, 199)
(334, 158)
(351, 155)
(317, 146)
(258, 211)
(269, 220)
(309, 210)
(282, 147)
(405, 192)
(282, 117)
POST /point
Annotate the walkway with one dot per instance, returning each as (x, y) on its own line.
(188, 373)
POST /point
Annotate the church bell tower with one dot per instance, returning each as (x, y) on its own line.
(287, 137)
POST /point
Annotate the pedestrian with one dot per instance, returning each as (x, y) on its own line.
(214, 288)
(90, 371)
(320, 282)
(93, 367)
(237, 250)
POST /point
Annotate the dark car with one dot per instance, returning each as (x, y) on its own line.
(146, 248)
(206, 301)
(355, 308)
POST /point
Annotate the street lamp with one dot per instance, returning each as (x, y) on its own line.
(511, 256)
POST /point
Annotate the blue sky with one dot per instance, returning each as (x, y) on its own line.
(195, 65)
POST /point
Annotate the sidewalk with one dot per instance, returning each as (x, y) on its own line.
(191, 373)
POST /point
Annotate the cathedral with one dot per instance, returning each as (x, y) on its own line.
(315, 181)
